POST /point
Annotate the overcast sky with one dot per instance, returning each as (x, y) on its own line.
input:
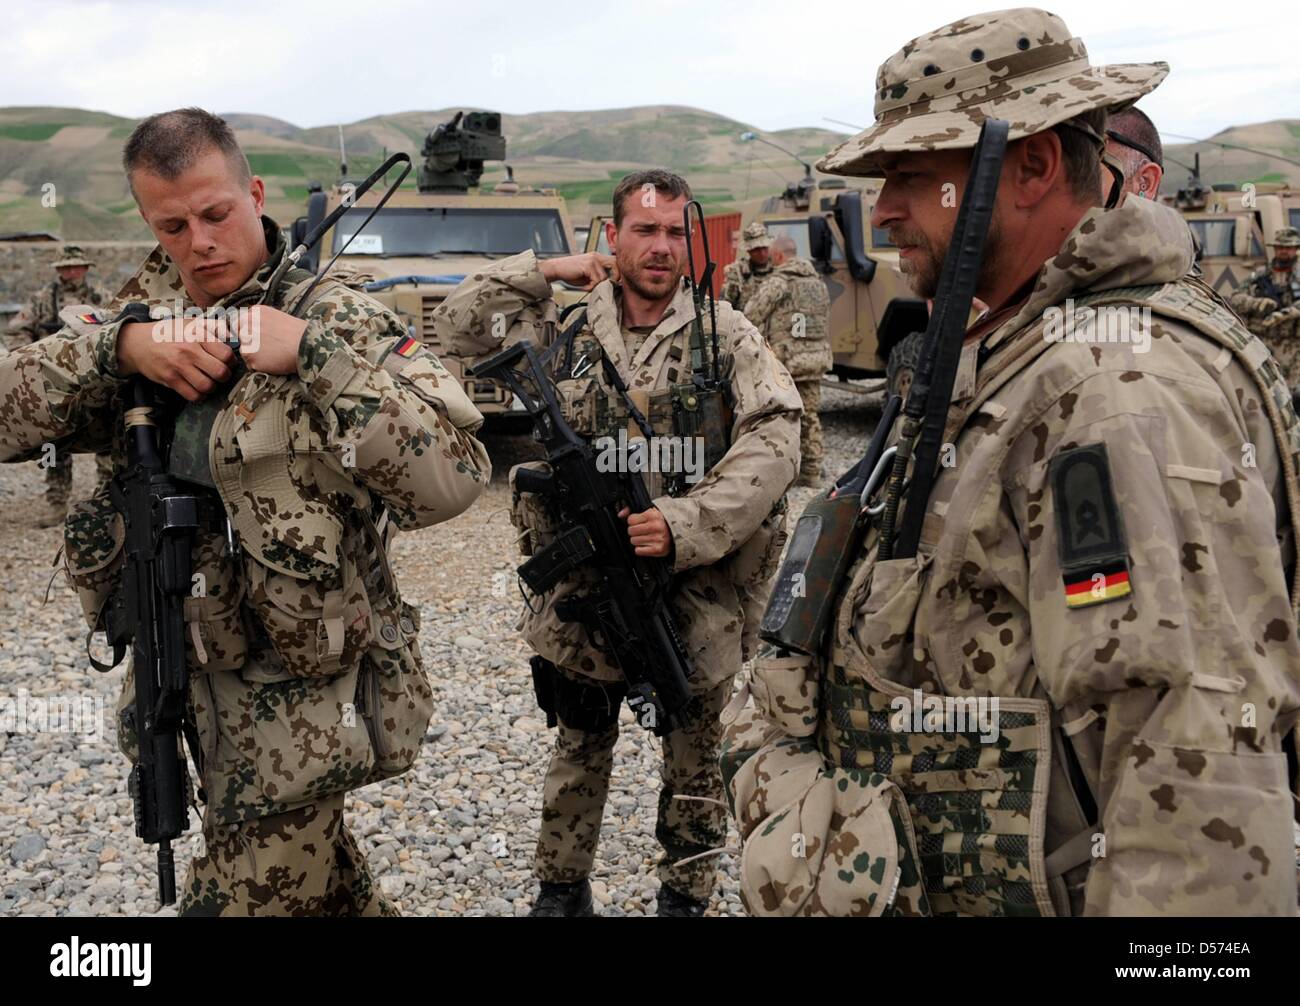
(770, 64)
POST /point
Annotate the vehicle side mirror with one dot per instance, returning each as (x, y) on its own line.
(848, 214)
(819, 240)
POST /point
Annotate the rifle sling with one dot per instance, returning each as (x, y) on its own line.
(947, 329)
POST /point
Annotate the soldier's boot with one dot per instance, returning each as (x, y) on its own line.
(563, 901)
(673, 904)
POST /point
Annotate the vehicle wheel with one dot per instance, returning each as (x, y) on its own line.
(903, 360)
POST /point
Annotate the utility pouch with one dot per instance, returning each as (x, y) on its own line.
(557, 560)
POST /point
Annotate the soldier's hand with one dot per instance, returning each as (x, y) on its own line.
(583, 271)
(269, 339)
(188, 355)
(649, 532)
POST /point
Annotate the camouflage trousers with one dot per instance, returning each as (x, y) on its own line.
(300, 863)
(577, 785)
(810, 429)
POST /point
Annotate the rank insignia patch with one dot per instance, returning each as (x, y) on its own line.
(1090, 535)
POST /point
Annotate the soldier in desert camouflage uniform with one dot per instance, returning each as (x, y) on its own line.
(1269, 303)
(306, 679)
(722, 536)
(792, 309)
(741, 278)
(39, 318)
(1106, 573)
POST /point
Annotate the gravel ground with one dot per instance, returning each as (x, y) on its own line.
(454, 836)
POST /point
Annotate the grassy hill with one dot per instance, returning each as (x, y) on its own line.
(581, 154)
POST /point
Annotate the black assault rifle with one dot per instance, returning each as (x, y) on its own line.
(626, 612)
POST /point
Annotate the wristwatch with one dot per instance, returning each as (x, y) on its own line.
(134, 311)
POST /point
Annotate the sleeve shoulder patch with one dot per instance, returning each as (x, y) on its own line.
(1090, 533)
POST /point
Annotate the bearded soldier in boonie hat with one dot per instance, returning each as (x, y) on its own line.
(742, 277)
(1090, 514)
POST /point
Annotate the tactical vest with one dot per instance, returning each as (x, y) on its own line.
(600, 412)
(978, 808)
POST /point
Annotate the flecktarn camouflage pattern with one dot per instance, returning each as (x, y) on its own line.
(306, 672)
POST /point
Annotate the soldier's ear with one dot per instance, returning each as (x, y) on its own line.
(257, 189)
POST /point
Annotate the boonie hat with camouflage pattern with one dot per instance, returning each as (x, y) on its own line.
(756, 236)
(1020, 65)
(1286, 237)
(72, 255)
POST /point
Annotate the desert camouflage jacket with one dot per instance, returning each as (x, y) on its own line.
(40, 315)
(792, 309)
(1108, 551)
(740, 280)
(727, 529)
(306, 674)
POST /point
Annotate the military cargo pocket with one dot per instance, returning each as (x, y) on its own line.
(785, 691)
(396, 701)
(93, 536)
(316, 630)
(215, 638)
(844, 846)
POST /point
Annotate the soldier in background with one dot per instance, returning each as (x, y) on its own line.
(792, 309)
(1133, 140)
(1269, 303)
(741, 278)
(721, 535)
(39, 318)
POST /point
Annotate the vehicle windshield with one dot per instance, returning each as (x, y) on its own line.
(798, 231)
(416, 231)
(1214, 236)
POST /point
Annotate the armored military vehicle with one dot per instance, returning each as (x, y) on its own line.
(1233, 224)
(424, 242)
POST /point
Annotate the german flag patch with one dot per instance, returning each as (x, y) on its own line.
(1090, 534)
(408, 347)
(90, 318)
(1100, 586)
